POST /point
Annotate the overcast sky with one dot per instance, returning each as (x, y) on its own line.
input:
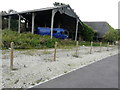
(87, 10)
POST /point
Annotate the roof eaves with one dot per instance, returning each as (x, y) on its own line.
(37, 10)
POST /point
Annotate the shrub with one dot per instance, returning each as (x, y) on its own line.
(26, 40)
(87, 33)
(34, 41)
(111, 35)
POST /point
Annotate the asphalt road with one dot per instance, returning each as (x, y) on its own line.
(102, 74)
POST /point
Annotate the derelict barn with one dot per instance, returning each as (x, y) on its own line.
(100, 27)
(54, 17)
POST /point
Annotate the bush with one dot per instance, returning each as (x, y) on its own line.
(26, 40)
(111, 35)
(87, 33)
(33, 41)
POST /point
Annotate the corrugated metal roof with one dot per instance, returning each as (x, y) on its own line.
(37, 10)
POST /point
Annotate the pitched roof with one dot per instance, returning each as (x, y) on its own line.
(37, 10)
(62, 8)
(100, 27)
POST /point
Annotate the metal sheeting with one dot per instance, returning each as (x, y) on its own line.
(62, 9)
(68, 11)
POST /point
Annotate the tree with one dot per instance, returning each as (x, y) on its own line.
(111, 35)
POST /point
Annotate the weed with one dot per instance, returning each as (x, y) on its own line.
(46, 52)
(75, 56)
(65, 71)
(38, 81)
(69, 64)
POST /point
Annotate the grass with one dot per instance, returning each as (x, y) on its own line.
(29, 52)
(75, 56)
(46, 52)
(38, 81)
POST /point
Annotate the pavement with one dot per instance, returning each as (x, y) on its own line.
(101, 74)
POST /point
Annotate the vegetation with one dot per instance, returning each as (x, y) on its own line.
(118, 34)
(111, 35)
(87, 33)
(26, 40)
(33, 41)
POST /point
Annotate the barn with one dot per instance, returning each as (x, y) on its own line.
(100, 28)
(59, 16)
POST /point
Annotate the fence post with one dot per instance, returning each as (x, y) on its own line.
(113, 43)
(11, 55)
(55, 51)
(100, 46)
(91, 47)
(76, 48)
(108, 46)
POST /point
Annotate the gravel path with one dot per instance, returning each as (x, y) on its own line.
(36, 66)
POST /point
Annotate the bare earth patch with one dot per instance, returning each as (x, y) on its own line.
(35, 66)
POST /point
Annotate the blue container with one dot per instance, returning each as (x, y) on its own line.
(57, 32)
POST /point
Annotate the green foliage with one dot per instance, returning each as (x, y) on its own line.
(26, 40)
(111, 35)
(86, 43)
(33, 41)
(118, 34)
(87, 33)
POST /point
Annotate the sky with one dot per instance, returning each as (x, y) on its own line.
(87, 10)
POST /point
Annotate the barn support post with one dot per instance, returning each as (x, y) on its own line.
(76, 29)
(19, 23)
(33, 18)
(9, 20)
(52, 22)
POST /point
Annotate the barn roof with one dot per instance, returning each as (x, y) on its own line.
(100, 27)
(62, 9)
(37, 10)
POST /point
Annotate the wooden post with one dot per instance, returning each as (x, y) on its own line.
(33, 18)
(108, 46)
(91, 47)
(11, 55)
(55, 51)
(100, 46)
(113, 43)
(76, 30)
(76, 48)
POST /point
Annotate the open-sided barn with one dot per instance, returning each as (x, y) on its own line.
(61, 16)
